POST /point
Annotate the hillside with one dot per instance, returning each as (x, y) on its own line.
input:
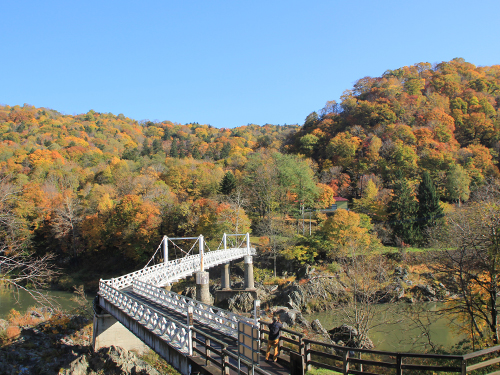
(444, 119)
(100, 190)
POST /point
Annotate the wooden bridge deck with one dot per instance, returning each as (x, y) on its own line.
(268, 366)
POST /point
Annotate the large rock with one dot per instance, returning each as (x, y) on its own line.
(318, 328)
(424, 292)
(290, 317)
(391, 293)
(317, 294)
(350, 337)
(113, 360)
(242, 302)
(189, 292)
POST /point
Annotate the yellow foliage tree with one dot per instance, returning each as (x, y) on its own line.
(346, 230)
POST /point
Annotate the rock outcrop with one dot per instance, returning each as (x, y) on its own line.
(348, 336)
(112, 360)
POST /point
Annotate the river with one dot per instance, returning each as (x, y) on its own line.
(21, 301)
(396, 331)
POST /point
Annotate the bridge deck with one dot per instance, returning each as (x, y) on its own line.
(271, 367)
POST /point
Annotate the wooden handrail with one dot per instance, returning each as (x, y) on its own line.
(481, 352)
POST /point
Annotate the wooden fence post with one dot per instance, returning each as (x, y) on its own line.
(345, 362)
(225, 360)
(307, 355)
(207, 351)
(399, 362)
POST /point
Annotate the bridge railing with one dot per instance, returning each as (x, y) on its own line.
(212, 351)
(174, 270)
(215, 318)
(177, 334)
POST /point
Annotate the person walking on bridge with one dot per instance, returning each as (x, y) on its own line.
(274, 338)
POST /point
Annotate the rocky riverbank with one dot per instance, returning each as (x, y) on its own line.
(320, 291)
(44, 341)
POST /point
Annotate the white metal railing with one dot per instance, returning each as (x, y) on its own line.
(215, 318)
(146, 283)
(174, 270)
(177, 334)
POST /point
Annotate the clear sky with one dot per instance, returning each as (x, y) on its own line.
(225, 63)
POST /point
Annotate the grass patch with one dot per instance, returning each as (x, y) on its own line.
(321, 371)
(158, 363)
(394, 249)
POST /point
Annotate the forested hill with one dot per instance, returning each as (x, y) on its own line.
(88, 139)
(444, 119)
(103, 188)
(106, 187)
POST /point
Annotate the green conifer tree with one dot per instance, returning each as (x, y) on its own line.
(429, 209)
(174, 149)
(403, 211)
(228, 184)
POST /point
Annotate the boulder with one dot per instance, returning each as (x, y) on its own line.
(391, 293)
(242, 302)
(289, 316)
(425, 290)
(189, 292)
(301, 321)
(350, 337)
(401, 272)
(79, 366)
(318, 328)
(112, 360)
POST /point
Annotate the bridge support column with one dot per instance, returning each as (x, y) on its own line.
(108, 331)
(225, 283)
(202, 291)
(249, 272)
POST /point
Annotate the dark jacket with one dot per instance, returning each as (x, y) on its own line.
(274, 330)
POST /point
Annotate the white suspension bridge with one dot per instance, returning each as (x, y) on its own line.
(173, 325)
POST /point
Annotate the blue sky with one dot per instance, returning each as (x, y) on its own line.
(225, 63)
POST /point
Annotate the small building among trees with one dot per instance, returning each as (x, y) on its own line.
(340, 203)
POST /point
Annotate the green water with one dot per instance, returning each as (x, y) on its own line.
(396, 329)
(22, 300)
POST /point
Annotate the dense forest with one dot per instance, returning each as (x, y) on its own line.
(104, 188)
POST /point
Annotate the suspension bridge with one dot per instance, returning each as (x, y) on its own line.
(182, 330)
(195, 337)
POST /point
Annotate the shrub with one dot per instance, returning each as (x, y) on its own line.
(333, 267)
(12, 332)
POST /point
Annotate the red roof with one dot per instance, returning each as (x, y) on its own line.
(340, 199)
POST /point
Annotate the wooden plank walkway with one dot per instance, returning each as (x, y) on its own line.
(271, 367)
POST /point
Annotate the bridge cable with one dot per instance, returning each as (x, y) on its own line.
(152, 258)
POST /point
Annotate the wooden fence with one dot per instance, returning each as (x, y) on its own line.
(214, 353)
(365, 361)
(221, 356)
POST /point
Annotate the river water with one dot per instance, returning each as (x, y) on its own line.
(22, 300)
(396, 328)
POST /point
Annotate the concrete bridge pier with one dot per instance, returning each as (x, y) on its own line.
(249, 283)
(108, 331)
(224, 279)
(202, 287)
